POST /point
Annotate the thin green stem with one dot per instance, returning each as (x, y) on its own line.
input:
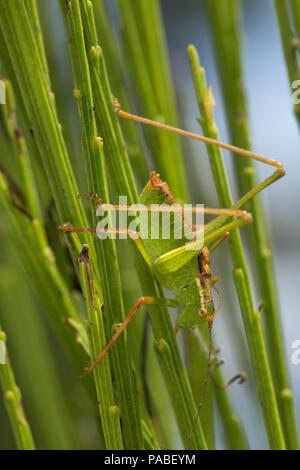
(262, 371)
(109, 411)
(41, 268)
(225, 16)
(36, 26)
(295, 10)
(122, 182)
(147, 55)
(122, 88)
(40, 109)
(233, 425)
(290, 44)
(12, 398)
(92, 148)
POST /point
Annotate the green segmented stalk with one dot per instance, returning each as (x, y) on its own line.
(43, 119)
(225, 16)
(109, 411)
(27, 70)
(31, 7)
(122, 88)
(41, 268)
(233, 425)
(106, 252)
(147, 55)
(295, 10)
(261, 368)
(12, 398)
(122, 182)
(290, 43)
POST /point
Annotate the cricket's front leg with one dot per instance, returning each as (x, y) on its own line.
(141, 301)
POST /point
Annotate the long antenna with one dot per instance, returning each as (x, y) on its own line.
(207, 140)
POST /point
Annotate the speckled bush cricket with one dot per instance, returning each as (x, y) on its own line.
(182, 265)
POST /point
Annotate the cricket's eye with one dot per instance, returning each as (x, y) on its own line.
(199, 261)
(203, 312)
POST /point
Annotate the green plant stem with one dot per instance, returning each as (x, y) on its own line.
(36, 26)
(225, 18)
(22, 161)
(42, 272)
(12, 397)
(261, 368)
(290, 43)
(40, 110)
(295, 9)
(25, 125)
(122, 182)
(47, 405)
(26, 70)
(40, 268)
(197, 360)
(109, 411)
(147, 56)
(233, 425)
(122, 88)
(106, 250)
(150, 442)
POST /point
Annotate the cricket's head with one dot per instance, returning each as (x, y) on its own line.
(162, 187)
(156, 191)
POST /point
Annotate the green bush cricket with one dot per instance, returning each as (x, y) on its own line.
(182, 265)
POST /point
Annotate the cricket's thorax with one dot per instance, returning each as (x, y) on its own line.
(197, 295)
(203, 279)
(204, 289)
(204, 283)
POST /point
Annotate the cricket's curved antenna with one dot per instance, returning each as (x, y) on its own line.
(207, 140)
(203, 389)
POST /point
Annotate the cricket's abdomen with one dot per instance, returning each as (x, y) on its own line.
(197, 295)
(193, 305)
(205, 293)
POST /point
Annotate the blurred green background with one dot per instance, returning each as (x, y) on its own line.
(39, 361)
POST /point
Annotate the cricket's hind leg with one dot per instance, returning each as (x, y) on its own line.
(141, 301)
